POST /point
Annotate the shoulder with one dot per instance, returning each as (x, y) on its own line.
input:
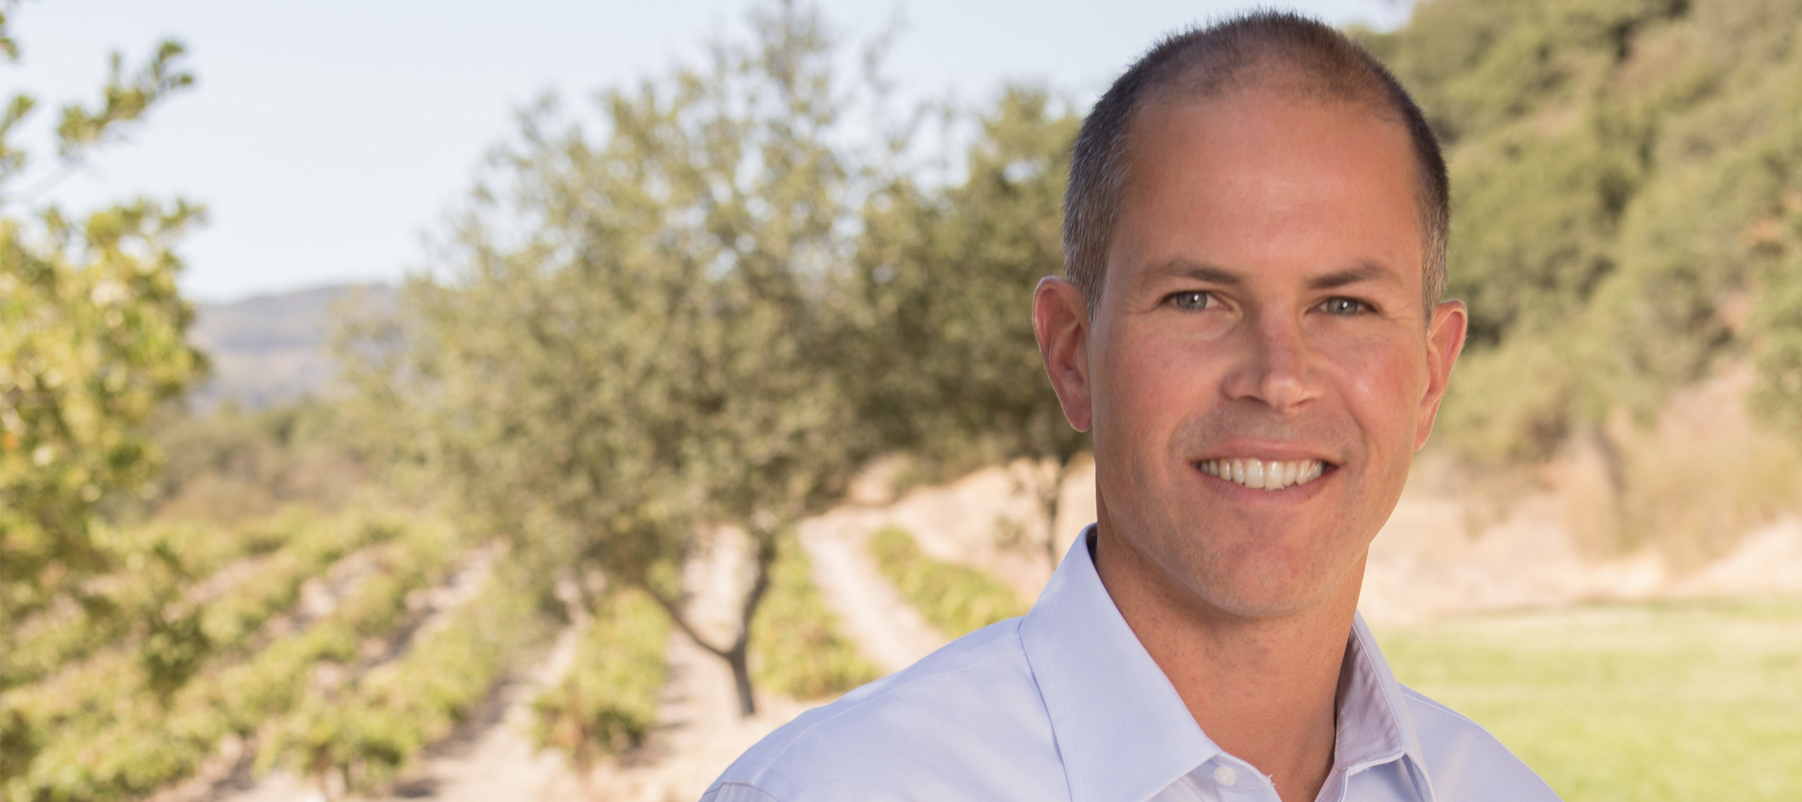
(1464, 761)
(966, 722)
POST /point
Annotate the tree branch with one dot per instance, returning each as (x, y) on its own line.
(675, 614)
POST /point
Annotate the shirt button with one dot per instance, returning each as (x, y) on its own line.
(1226, 776)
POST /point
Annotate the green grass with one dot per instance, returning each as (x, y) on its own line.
(795, 646)
(955, 599)
(1643, 702)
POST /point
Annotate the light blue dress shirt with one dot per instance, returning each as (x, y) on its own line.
(1065, 704)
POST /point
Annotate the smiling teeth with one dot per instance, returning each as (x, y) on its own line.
(1264, 474)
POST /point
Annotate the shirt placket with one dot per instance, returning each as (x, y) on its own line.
(1222, 779)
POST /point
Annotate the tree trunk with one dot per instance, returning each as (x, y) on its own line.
(737, 656)
(741, 679)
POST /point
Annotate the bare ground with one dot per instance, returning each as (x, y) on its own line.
(871, 613)
(1427, 562)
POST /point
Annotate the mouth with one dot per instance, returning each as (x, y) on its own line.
(1262, 474)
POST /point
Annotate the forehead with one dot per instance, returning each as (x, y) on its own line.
(1260, 180)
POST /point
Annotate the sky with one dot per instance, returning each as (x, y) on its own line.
(328, 138)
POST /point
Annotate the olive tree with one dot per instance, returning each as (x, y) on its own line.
(629, 353)
(946, 276)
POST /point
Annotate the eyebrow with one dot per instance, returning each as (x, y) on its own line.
(1200, 272)
(1341, 278)
(1218, 275)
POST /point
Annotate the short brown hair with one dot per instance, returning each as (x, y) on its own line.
(1248, 51)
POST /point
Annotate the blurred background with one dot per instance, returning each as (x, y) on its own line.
(482, 401)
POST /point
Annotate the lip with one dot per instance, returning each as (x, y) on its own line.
(1279, 450)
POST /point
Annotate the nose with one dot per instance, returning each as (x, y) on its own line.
(1275, 367)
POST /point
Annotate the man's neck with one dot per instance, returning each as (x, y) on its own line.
(1263, 689)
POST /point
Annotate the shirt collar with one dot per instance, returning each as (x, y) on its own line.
(1122, 731)
(1374, 725)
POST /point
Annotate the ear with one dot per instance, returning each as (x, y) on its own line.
(1445, 340)
(1060, 321)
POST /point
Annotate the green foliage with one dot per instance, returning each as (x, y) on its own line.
(123, 100)
(607, 703)
(1777, 318)
(172, 651)
(1494, 416)
(158, 561)
(796, 650)
(1475, 67)
(91, 341)
(953, 598)
(945, 278)
(96, 731)
(948, 278)
(636, 346)
(367, 731)
(227, 616)
(8, 46)
(1627, 702)
(231, 465)
(1617, 166)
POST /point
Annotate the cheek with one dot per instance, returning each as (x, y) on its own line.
(1382, 383)
(1151, 384)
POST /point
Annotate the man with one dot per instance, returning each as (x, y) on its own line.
(1255, 241)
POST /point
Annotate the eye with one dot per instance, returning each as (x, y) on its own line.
(1193, 299)
(1344, 306)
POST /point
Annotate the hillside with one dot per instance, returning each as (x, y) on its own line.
(1627, 195)
(1432, 580)
(519, 569)
(272, 349)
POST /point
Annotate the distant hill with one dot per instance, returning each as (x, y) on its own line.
(273, 348)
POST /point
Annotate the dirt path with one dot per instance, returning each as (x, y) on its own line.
(966, 522)
(494, 758)
(888, 631)
(699, 731)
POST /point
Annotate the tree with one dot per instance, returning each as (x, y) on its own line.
(91, 342)
(947, 277)
(634, 356)
(1621, 173)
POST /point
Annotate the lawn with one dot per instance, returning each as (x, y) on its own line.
(1697, 700)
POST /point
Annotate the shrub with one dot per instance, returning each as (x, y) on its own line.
(954, 598)
(796, 650)
(607, 703)
(367, 731)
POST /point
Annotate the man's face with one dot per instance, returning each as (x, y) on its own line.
(1261, 307)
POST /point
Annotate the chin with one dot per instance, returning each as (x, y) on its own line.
(1261, 589)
